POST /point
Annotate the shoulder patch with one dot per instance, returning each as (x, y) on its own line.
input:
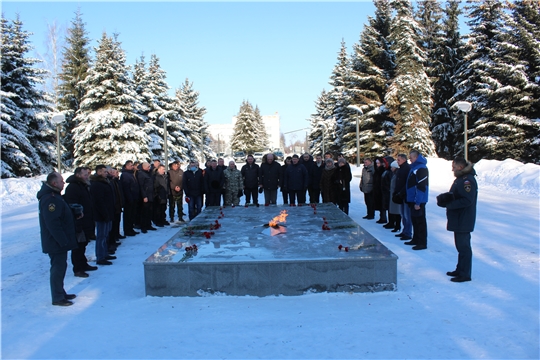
(467, 186)
(52, 207)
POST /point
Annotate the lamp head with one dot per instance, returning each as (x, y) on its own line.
(59, 118)
(464, 106)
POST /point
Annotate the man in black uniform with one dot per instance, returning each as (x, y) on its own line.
(57, 226)
(460, 204)
(78, 192)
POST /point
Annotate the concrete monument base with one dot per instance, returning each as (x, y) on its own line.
(234, 251)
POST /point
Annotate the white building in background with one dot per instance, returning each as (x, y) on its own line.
(222, 133)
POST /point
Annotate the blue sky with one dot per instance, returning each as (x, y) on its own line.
(277, 55)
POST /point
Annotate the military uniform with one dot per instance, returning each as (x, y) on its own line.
(57, 227)
(233, 186)
(461, 215)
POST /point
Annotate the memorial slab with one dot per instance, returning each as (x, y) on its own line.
(270, 250)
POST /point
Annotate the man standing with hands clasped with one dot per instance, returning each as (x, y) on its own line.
(460, 204)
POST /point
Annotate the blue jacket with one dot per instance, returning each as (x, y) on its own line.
(461, 212)
(418, 182)
(56, 222)
(296, 177)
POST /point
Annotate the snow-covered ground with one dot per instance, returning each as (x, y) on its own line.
(494, 316)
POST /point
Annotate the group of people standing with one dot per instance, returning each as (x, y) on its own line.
(298, 178)
(91, 208)
(401, 189)
(92, 205)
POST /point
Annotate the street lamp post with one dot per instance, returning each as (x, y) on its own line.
(290, 132)
(165, 150)
(58, 119)
(464, 106)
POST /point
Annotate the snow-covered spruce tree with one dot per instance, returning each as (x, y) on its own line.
(372, 68)
(449, 55)
(246, 130)
(28, 140)
(339, 97)
(262, 133)
(108, 124)
(160, 107)
(409, 94)
(432, 41)
(198, 139)
(322, 125)
(526, 35)
(75, 65)
(495, 80)
(151, 89)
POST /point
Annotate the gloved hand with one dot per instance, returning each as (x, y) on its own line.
(188, 200)
(261, 190)
(445, 199)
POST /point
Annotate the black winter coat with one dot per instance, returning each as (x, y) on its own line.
(102, 198)
(401, 179)
(342, 183)
(56, 222)
(315, 176)
(461, 212)
(250, 174)
(146, 184)
(214, 180)
(377, 188)
(309, 167)
(296, 177)
(118, 194)
(385, 188)
(193, 183)
(78, 192)
(161, 188)
(130, 186)
(270, 175)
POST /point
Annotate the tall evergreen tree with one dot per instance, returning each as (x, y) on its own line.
(340, 97)
(27, 137)
(262, 134)
(162, 108)
(409, 95)
(450, 54)
(525, 32)
(75, 65)
(246, 130)
(495, 80)
(372, 68)
(108, 129)
(322, 125)
(198, 138)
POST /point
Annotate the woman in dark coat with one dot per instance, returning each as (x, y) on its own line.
(327, 182)
(284, 192)
(377, 190)
(342, 180)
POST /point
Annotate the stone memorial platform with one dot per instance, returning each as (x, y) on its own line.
(235, 251)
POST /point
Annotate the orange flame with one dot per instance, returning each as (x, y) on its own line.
(281, 218)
